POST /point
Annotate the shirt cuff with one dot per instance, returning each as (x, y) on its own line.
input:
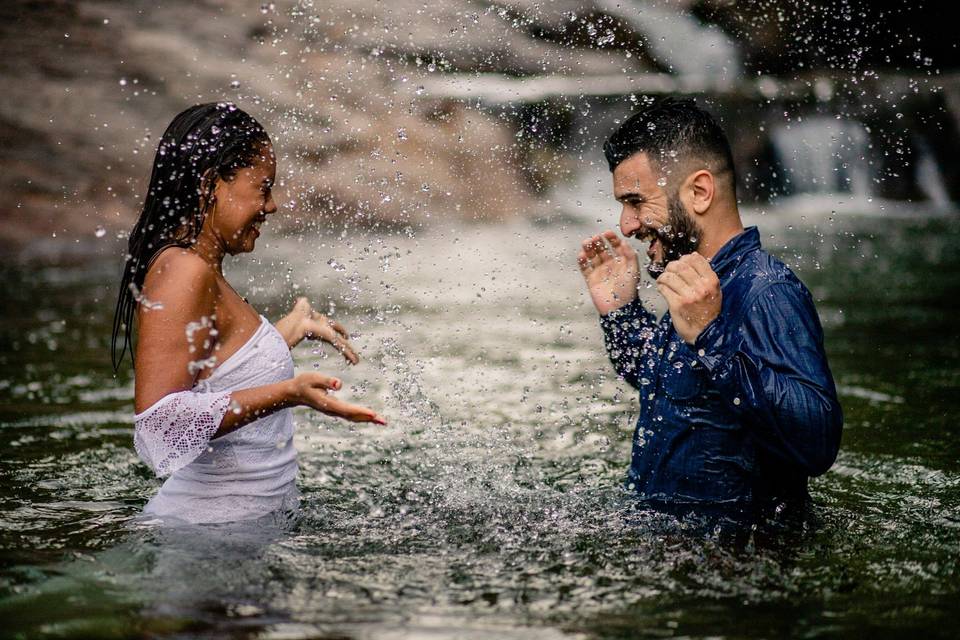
(626, 313)
(713, 348)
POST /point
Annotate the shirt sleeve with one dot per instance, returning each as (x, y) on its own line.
(177, 429)
(625, 333)
(773, 374)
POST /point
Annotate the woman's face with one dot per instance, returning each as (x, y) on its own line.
(243, 203)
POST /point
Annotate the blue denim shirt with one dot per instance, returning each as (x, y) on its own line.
(747, 413)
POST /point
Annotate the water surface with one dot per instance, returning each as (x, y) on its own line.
(491, 506)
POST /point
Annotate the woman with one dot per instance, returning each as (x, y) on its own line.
(214, 380)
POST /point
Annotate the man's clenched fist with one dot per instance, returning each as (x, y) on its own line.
(692, 291)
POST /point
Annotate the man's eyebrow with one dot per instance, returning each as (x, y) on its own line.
(630, 196)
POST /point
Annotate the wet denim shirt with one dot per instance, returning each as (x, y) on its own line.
(749, 411)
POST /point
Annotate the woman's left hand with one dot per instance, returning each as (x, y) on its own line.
(304, 322)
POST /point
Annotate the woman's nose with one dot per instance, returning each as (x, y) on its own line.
(270, 206)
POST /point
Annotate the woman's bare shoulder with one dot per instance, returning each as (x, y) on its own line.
(180, 279)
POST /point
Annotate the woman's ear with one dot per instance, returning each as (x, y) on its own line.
(208, 187)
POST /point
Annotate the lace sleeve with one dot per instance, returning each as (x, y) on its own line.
(173, 432)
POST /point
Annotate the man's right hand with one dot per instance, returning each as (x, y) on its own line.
(612, 272)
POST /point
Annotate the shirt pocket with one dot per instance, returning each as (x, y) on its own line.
(684, 381)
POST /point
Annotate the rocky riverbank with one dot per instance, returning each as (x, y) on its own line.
(349, 93)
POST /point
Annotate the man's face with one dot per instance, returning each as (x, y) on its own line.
(651, 215)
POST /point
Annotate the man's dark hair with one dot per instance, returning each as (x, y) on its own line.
(672, 130)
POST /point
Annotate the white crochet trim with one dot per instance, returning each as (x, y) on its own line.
(177, 429)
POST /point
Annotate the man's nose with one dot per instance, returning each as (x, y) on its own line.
(629, 221)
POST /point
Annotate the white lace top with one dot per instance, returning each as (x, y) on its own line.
(246, 474)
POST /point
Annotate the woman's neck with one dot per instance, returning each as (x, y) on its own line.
(211, 250)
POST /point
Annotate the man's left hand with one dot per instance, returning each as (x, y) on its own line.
(692, 291)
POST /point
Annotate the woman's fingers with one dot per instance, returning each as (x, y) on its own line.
(352, 412)
(344, 348)
(338, 328)
(324, 382)
(319, 399)
(322, 328)
(302, 306)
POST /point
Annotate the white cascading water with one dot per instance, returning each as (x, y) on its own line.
(823, 155)
(689, 48)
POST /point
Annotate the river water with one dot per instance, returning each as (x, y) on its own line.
(491, 506)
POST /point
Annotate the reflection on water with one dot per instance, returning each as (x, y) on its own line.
(491, 507)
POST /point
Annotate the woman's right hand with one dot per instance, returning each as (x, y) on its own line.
(312, 390)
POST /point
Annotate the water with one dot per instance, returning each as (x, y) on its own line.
(680, 42)
(490, 507)
(823, 154)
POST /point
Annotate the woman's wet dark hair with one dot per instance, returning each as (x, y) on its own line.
(203, 144)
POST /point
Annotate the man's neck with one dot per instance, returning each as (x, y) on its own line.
(728, 227)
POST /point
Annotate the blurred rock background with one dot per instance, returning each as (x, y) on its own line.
(361, 97)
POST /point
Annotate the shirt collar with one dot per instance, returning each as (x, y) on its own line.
(734, 250)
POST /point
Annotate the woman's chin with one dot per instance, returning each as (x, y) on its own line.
(244, 246)
(249, 241)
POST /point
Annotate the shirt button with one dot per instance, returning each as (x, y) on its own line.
(736, 401)
(701, 353)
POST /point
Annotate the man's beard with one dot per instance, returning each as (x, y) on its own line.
(680, 236)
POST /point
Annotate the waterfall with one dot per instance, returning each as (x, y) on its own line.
(823, 155)
(930, 178)
(679, 41)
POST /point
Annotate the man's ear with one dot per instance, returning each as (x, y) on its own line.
(702, 189)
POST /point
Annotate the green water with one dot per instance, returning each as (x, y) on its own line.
(490, 508)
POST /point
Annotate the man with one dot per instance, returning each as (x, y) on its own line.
(737, 403)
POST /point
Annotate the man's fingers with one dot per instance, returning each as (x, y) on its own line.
(702, 266)
(673, 282)
(596, 250)
(584, 263)
(683, 270)
(668, 294)
(589, 247)
(618, 246)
